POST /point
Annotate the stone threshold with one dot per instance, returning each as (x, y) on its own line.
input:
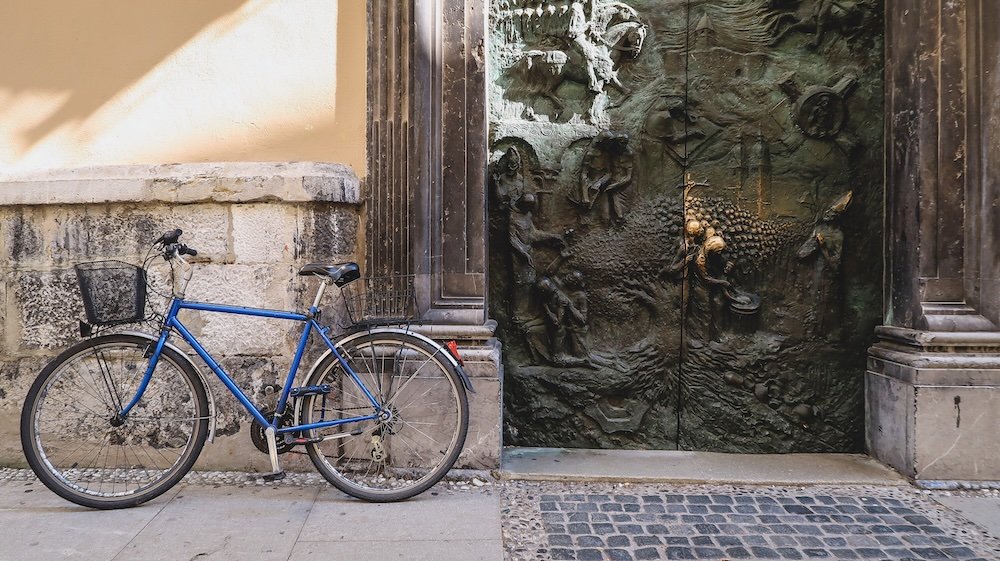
(671, 466)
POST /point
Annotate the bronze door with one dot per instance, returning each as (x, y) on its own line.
(685, 220)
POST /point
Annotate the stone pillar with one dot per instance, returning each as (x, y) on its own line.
(933, 381)
(426, 205)
(427, 152)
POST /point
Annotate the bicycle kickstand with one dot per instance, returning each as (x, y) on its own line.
(277, 473)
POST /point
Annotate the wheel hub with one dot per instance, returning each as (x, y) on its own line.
(389, 420)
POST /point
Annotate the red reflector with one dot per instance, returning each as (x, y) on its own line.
(453, 349)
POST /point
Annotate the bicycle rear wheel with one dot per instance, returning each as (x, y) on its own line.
(421, 433)
(78, 448)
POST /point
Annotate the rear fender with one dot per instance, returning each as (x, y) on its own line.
(466, 381)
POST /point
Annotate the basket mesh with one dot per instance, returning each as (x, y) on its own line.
(113, 292)
(380, 300)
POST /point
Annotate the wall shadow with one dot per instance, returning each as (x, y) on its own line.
(92, 50)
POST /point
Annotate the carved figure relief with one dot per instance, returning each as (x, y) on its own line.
(825, 246)
(820, 16)
(507, 178)
(582, 41)
(685, 197)
(605, 174)
(820, 112)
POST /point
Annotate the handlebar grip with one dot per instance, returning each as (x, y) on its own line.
(170, 237)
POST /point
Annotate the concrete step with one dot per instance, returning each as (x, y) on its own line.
(670, 466)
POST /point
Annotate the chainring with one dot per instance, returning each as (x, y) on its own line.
(259, 437)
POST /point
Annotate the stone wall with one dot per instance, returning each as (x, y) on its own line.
(254, 225)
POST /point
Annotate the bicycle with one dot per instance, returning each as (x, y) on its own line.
(118, 419)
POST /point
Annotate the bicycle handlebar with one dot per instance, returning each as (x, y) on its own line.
(170, 237)
(172, 247)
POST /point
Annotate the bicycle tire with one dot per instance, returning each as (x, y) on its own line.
(422, 439)
(70, 439)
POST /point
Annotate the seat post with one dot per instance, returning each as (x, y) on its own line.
(319, 292)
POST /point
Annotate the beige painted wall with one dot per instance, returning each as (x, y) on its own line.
(147, 81)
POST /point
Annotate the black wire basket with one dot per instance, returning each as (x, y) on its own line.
(113, 292)
(387, 300)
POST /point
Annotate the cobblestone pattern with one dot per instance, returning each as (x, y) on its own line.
(637, 522)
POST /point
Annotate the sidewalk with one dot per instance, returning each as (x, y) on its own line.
(214, 518)
(678, 506)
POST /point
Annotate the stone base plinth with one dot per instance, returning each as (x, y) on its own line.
(932, 404)
(481, 354)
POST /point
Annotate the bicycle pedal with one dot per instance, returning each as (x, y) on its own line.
(273, 476)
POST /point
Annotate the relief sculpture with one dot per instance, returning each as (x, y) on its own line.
(685, 198)
(581, 41)
(605, 172)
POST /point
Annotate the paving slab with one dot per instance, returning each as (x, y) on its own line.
(564, 464)
(440, 524)
(224, 523)
(436, 550)
(233, 516)
(39, 525)
(983, 510)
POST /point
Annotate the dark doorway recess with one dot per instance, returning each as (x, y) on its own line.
(685, 214)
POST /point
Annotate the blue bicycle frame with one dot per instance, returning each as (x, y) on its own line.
(172, 323)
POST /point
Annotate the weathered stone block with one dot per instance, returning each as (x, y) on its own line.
(932, 404)
(22, 236)
(217, 187)
(956, 436)
(96, 232)
(16, 377)
(241, 285)
(264, 233)
(49, 308)
(889, 416)
(482, 444)
(331, 234)
(6, 346)
(206, 228)
(41, 237)
(232, 182)
(332, 186)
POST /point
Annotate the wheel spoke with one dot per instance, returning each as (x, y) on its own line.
(90, 458)
(425, 426)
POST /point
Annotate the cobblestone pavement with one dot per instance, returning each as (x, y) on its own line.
(626, 522)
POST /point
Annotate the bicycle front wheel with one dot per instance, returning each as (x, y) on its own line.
(80, 448)
(422, 427)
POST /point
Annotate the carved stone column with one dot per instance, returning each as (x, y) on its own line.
(933, 383)
(426, 209)
(427, 150)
